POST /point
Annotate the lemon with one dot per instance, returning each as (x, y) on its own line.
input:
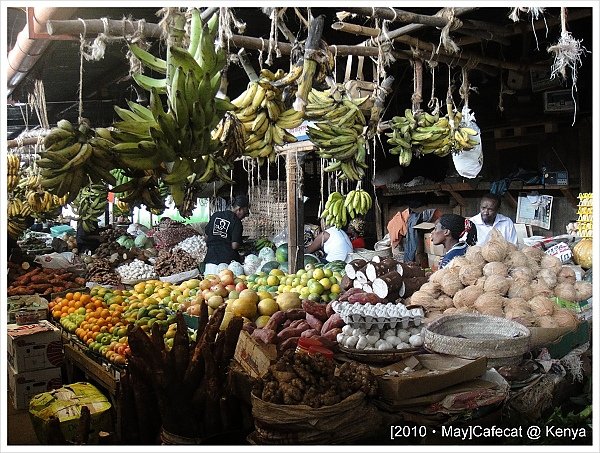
(318, 274)
(325, 282)
(262, 321)
(272, 280)
(328, 272)
(335, 288)
(267, 307)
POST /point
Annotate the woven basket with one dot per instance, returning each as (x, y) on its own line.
(471, 336)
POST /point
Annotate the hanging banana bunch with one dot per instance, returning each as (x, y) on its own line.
(265, 119)
(72, 159)
(418, 133)
(140, 188)
(357, 202)
(90, 204)
(13, 166)
(335, 212)
(180, 134)
(339, 132)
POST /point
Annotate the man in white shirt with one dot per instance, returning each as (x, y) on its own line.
(489, 218)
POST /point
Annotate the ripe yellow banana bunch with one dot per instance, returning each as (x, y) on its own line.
(339, 131)
(43, 201)
(358, 202)
(73, 157)
(14, 163)
(261, 110)
(230, 132)
(17, 208)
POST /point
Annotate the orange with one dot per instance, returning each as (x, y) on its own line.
(69, 296)
(56, 314)
(85, 298)
(77, 304)
(71, 310)
(76, 295)
(98, 303)
(105, 313)
(64, 309)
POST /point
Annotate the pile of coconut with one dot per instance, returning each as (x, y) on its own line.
(498, 279)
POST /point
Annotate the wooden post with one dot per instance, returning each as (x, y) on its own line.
(295, 209)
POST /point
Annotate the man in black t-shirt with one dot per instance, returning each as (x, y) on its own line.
(224, 234)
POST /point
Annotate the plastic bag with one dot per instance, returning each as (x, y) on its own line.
(469, 163)
(280, 238)
(56, 260)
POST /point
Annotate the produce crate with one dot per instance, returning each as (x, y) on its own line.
(34, 304)
(253, 356)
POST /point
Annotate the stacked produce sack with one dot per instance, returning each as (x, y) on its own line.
(497, 279)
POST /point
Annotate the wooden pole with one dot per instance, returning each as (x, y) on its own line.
(26, 141)
(411, 28)
(398, 15)
(294, 207)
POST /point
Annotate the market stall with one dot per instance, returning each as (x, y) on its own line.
(122, 232)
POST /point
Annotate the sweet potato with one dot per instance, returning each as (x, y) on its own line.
(334, 321)
(329, 309)
(332, 334)
(276, 320)
(290, 332)
(315, 309)
(344, 296)
(295, 313)
(265, 335)
(309, 333)
(365, 298)
(314, 322)
(290, 343)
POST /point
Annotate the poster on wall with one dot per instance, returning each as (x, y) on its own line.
(535, 209)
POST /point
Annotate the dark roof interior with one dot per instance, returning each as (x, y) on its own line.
(106, 82)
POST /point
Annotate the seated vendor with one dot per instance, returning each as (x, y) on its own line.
(455, 233)
(88, 240)
(335, 243)
(356, 233)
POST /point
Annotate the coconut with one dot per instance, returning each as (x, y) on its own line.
(464, 310)
(551, 262)
(466, 297)
(469, 274)
(458, 262)
(496, 248)
(474, 256)
(450, 311)
(566, 275)
(495, 268)
(516, 258)
(520, 314)
(533, 265)
(490, 304)
(539, 288)
(497, 284)
(446, 301)
(481, 282)
(547, 322)
(517, 302)
(520, 289)
(583, 290)
(565, 291)
(542, 306)
(548, 276)
(431, 316)
(523, 273)
(565, 318)
(534, 253)
(438, 275)
(451, 284)
(422, 298)
(434, 289)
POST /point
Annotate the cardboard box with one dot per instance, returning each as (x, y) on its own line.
(562, 340)
(433, 261)
(430, 248)
(33, 304)
(430, 373)
(254, 356)
(65, 403)
(23, 386)
(34, 346)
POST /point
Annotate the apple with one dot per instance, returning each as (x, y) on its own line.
(215, 301)
(207, 294)
(219, 289)
(240, 286)
(234, 294)
(226, 279)
(230, 288)
(205, 284)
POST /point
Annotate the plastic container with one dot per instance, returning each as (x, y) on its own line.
(304, 344)
(327, 353)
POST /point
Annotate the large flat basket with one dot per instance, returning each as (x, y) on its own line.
(471, 336)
